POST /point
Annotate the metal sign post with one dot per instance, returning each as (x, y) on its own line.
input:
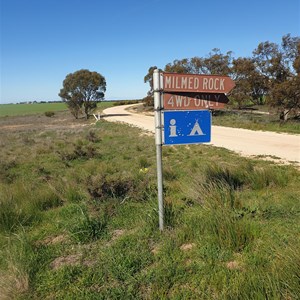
(184, 96)
(158, 141)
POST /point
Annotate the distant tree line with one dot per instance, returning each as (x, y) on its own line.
(270, 76)
(38, 102)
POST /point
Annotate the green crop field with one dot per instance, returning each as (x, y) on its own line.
(28, 109)
(79, 219)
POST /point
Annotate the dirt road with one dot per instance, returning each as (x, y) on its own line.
(276, 146)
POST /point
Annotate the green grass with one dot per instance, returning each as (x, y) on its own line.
(28, 109)
(254, 121)
(79, 220)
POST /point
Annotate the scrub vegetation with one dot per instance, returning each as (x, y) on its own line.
(255, 121)
(79, 220)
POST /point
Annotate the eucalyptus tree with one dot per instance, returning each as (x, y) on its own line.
(83, 89)
(281, 65)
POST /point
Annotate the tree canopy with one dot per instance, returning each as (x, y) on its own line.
(272, 74)
(82, 90)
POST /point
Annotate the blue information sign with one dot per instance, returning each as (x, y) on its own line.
(187, 127)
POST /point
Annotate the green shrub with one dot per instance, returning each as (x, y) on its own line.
(88, 229)
(287, 264)
(126, 102)
(148, 101)
(49, 114)
(46, 200)
(23, 205)
(169, 174)
(126, 265)
(106, 186)
(221, 216)
(73, 195)
(16, 210)
(144, 162)
(21, 265)
(262, 177)
(80, 151)
(171, 213)
(6, 170)
(228, 231)
(222, 175)
(92, 137)
(247, 175)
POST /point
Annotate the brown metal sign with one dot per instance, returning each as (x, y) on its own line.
(194, 101)
(173, 82)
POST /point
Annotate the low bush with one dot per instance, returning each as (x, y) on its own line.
(127, 265)
(6, 170)
(262, 177)
(222, 175)
(105, 186)
(247, 175)
(221, 218)
(148, 101)
(92, 137)
(144, 162)
(20, 263)
(16, 210)
(46, 200)
(49, 114)
(23, 205)
(80, 151)
(88, 229)
(126, 102)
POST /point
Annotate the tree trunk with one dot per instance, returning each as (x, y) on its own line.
(284, 115)
(86, 111)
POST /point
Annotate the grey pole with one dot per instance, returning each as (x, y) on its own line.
(158, 141)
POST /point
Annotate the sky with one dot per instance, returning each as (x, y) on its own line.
(44, 40)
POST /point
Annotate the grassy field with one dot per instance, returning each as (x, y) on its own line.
(78, 217)
(255, 121)
(223, 118)
(28, 109)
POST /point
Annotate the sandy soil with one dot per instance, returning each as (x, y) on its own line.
(279, 147)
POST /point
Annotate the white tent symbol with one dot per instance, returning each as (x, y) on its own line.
(196, 130)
